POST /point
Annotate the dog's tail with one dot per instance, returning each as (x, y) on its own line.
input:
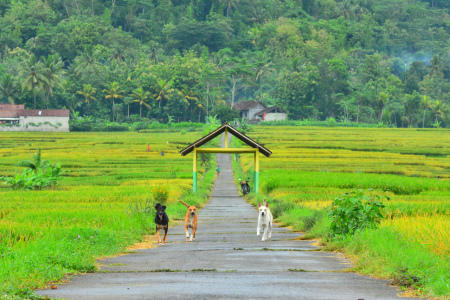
(184, 203)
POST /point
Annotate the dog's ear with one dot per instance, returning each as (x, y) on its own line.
(164, 207)
(259, 205)
(157, 205)
(267, 204)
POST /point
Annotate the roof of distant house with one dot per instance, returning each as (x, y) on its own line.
(45, 112)
(247, 105)
(15, 111)
(269, 110)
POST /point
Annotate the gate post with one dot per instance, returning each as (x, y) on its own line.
(257, 171)
(194, 173)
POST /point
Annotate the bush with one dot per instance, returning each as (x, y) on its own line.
(160, 194)
(80, 127)
(353, 211)
(115, 127)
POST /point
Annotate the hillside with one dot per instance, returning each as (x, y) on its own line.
(353, 60)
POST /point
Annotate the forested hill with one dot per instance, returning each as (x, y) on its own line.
(361, 60)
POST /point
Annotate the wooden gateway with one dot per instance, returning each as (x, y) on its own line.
(256, 148)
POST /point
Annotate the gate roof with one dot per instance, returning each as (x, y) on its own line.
(221, 130)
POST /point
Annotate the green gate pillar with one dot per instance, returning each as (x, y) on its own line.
(194, 181)
(257, 171)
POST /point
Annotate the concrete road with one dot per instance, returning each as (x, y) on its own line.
(226, 261)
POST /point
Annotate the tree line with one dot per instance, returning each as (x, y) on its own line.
(365, 61)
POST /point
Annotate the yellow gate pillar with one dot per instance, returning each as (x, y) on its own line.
(257, 171)
(194, 183)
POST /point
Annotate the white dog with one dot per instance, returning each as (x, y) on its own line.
(265, 221)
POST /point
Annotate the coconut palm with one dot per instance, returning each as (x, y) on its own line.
(140, 97)
(9, 88)
(117, 54)
(162, 91)
(229, 3)
(87, 93)
(383, 99)
(88, 61)
(424, 104)
(32, 72)
(445, 117)
(438, 108)
(113, 93)
(436, 66)
(52, 71)
(155, 51)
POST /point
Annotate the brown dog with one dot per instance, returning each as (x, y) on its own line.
(190, 221)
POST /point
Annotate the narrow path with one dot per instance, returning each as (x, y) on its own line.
(227, 261)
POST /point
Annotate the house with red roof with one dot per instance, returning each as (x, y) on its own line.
(256, 111)
(17, 118)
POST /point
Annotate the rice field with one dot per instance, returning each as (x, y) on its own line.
(101, 206)
(311, 166)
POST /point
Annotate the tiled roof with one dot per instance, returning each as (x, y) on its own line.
(268, 110)
(10, 110)
(44, 112)
(247, 105)
(15, 111)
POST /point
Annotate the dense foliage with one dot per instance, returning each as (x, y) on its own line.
(38, 174)
(353, 211)
(361, 60)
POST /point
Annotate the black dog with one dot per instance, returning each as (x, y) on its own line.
(161, 221)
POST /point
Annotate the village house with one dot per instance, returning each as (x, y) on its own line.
(17, 118)
(256, 111)
(273, 113)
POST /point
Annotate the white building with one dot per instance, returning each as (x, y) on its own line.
(248, 109)
(273, 113)
(17, 118)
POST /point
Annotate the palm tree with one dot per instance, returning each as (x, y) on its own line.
(436, 66)
(141, 97)
(383, 100)
(117, 54)
(32, 72)
(35, 165)
(438, 109)
(127, 101)
(229, 3)
(88, 92)
(162, 91)
(88, 61)
(113, 93)
(9, 88)
(155, 51)
(347, 9)
(52, 72)
(445, 117)
(424, 104)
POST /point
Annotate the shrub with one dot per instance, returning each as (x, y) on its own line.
(353, 211)
(160, 194)
(80, 127)
(115, 127)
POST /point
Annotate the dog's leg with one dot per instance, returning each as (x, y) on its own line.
(187, 232)
(270, 230)
(192, 234)
(157, 235)
(258, 228)
(266, 227)
(165, 235)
